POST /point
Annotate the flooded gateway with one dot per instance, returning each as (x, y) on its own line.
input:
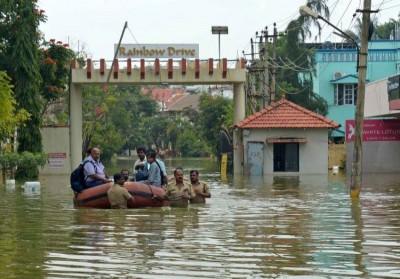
(252, 227)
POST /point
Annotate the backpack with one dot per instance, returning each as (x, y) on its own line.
(142, 174)
(78, 181)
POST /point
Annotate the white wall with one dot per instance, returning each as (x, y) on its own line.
(56, 143)
(377, 156)
(376, 99)
(313, 155)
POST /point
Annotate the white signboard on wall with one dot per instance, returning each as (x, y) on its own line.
(188, 51)
(56, 160)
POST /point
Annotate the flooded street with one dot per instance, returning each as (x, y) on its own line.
(251, 227)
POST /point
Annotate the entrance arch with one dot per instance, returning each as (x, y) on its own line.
(174, 72)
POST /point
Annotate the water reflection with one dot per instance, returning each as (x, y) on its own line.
(356, 215)
(252, 227)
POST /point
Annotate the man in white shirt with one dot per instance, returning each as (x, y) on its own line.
(141, 167)
(95, 174)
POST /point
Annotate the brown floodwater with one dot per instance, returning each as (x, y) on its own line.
(252, 227)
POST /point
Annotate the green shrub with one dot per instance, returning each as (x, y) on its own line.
(24, 165)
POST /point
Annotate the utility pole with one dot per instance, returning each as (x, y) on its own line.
(272, 88)
(356, 175)
(355, 185)
(252, 89)
(252, 49)
(273, 72)
(261, 76)
(256, 77)
(266, 68)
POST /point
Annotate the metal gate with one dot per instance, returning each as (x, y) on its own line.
(255, 157)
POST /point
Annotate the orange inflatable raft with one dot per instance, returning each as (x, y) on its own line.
(96, 197)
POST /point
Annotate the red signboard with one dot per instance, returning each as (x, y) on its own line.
(375, 130)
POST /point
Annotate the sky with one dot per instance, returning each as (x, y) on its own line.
(97, 25)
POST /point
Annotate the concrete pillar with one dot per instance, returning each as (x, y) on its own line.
(239, 102)
(76, 125)
(239, 113)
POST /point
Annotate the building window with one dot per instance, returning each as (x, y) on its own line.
(345, 94)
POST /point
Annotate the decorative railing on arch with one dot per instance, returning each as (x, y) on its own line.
(158, 71)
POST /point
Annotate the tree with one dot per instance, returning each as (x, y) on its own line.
(298, 81)
(356, 34)
(19, 57)
(10, 118)
(189, 144)
(157, 127)
(54, 61)
(109, 139)
(300, 28)
(124, 110)
(137, 107)
(383, 31)
(25, 71)
(215, 112)
(173, 132)
(192, 115)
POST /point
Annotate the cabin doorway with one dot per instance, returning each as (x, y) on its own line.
(286, 157)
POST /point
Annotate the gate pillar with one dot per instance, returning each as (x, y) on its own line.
(76, 124)
(239, 113)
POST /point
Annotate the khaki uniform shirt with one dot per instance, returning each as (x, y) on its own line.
(200, 187)
(173, 192)
(118, 196)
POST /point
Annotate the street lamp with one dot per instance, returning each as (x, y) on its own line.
(306, 11)
(355, 185)
(219, 30)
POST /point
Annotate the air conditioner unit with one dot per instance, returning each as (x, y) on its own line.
(337, 75)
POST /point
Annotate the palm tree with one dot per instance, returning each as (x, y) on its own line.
(356, 34)
(300, 28)
(297, 31)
